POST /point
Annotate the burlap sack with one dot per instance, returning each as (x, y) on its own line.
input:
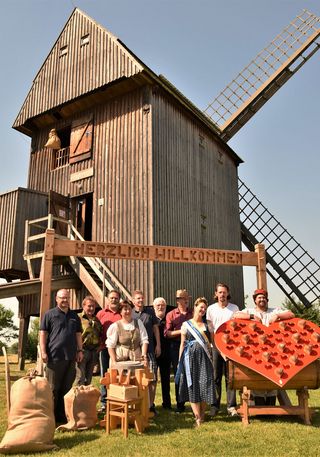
(31, 423)
(80, 405)
(53, 140)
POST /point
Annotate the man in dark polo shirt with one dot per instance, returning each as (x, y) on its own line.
(61, 348)
(146, 315)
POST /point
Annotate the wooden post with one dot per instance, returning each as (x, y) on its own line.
(46, 272)
(23, 335)
(261, 268)
(45, 278)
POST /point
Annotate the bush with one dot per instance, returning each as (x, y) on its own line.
(300, 310)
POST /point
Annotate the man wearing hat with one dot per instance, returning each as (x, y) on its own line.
(261, 312)
(172, 331)
(266, 316)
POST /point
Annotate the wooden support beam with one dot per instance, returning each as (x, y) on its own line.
(261, 266)
(23, 336)
(33, 286)
(46, 272)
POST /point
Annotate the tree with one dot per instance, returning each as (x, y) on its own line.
(32, 341)
(7, 328)
(311, 314)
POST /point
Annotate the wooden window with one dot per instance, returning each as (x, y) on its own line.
(63, 51)
(61, 156)
(81, 140)
(85, 39)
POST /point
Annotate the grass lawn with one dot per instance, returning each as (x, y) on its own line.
(172, 434)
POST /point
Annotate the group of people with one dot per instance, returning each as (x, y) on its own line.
(164, 338)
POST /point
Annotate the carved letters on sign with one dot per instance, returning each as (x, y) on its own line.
(155, 253)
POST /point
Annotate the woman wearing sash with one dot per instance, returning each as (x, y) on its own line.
(195, 371)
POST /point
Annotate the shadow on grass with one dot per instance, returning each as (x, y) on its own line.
(68, 440)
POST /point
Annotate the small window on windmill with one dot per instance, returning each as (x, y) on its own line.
(201, 141)
(62, 155)
(63, 51)
(220, 157)
(85, 39)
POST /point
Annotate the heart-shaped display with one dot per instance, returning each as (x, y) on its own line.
(277, 352)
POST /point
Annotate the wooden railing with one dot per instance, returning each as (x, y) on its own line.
(34, 250)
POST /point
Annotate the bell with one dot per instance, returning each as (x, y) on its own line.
(53, 140)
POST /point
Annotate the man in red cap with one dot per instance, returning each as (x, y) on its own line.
(266, 316)
(261, 312)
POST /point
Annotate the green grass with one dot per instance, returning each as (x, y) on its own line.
(172, 434)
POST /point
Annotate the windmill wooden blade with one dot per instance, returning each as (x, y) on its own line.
(264, 76)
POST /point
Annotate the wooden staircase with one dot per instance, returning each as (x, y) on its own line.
(95, 275)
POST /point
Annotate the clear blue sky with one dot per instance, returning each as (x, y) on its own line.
(200, 46)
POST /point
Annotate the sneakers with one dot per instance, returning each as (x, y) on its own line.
(102, 410)
(232, 411)
(213, 411)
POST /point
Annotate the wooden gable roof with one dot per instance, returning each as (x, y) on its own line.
(86, 65)
(84, 58)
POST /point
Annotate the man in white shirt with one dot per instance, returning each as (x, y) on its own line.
(262, 313)
(217, 314)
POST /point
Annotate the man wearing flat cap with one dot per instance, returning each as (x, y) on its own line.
(261, 313)
(172, 331)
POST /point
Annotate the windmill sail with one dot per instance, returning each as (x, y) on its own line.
(265, 75)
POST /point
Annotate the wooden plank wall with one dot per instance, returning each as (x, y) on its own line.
(81, 69)
(123, 183)
(15, 207)
(195, 192)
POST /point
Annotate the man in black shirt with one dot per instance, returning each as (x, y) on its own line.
(61, 348)
(146, 315)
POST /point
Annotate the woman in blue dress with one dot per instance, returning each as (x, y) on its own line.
(195, 372)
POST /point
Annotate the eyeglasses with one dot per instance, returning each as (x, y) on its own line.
(63, 298)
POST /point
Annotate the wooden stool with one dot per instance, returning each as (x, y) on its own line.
(125, 410)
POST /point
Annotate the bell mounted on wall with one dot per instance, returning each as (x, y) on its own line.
(53, 140)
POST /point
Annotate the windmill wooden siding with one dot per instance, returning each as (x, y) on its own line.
(157, 172)
(195, 203)
(15, 208)
(82, 68)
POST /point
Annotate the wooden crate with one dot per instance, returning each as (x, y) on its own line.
(122, 392)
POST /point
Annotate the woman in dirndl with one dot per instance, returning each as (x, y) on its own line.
(127, 339)
(195, 371)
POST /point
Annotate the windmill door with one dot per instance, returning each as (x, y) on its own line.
(59, 207)
(82, 215)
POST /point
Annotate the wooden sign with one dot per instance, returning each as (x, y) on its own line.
(153, 253)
